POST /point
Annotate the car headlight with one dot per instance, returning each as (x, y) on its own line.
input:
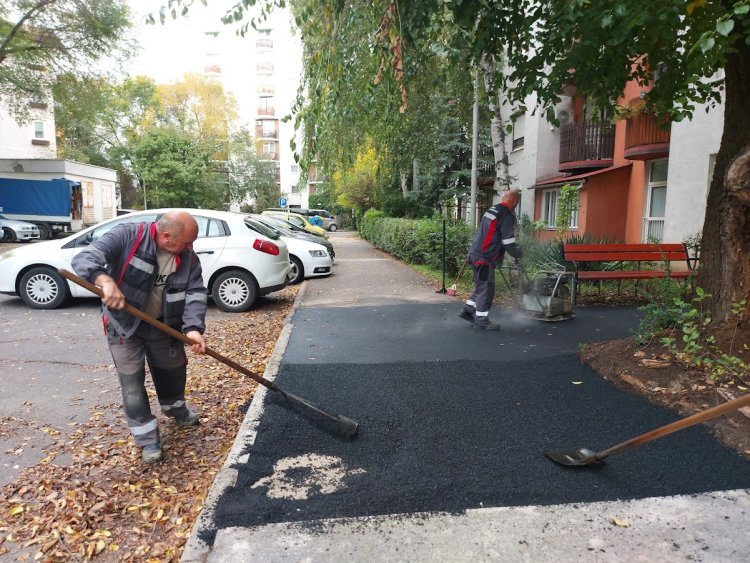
(318, 253)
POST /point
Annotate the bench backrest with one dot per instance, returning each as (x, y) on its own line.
(622, 252)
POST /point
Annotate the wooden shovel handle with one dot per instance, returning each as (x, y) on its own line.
(686, 422)
(169, 330)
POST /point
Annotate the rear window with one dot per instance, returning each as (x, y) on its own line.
(262, 229)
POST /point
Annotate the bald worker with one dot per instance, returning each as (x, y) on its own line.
(153, 268)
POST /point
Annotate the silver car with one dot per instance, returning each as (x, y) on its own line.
(12, 230)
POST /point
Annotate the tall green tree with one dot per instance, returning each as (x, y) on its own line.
(97, 120)
(176, 170)
(39, 39)
(249, 177)
(96, 117)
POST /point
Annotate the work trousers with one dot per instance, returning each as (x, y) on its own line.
(484, 287)
(168, 366)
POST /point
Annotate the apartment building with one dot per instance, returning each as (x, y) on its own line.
(262, 70)
(638, 180)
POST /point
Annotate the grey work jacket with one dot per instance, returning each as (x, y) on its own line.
(127, 254)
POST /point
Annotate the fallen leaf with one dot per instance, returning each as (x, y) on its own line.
(620, 522)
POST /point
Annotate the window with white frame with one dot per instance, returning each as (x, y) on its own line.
(656, 202)
(39, 129)
(550, 200)
(518, 132)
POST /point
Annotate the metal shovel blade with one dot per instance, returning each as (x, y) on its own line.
(582, 456)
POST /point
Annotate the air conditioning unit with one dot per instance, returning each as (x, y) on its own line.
(563, 112)
(563, 116)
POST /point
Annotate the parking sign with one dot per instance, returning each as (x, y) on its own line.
(282, 202)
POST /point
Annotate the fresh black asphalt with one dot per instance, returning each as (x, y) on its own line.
(453, 418)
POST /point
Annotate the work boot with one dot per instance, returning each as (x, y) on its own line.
(486, 324)
(187, 418)
(467, 313)
(151, 453)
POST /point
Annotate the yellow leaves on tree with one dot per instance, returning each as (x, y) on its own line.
(356, 186)
(199, 106)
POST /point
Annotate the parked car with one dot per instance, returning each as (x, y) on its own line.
(330, 223)
(299, 232)
(308, 259)
(12, 230)
(241, 259)
(297, 219)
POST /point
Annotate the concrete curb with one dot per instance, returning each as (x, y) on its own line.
(197, 550)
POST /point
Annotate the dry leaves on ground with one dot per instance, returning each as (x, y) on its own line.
(653, 372)
(107, 504)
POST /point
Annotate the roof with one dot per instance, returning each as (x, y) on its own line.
(578, 179)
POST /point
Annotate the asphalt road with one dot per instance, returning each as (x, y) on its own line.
(454, 423)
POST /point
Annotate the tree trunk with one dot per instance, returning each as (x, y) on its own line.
(404, 183)
(725, 247)
(415, 174)
(497, 129)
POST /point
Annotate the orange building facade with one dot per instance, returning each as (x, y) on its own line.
(620, 170)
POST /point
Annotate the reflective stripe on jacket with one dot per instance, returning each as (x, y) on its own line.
(127, 254)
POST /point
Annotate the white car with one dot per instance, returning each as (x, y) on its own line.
(308, 259)
(241, 259)
(12, 230)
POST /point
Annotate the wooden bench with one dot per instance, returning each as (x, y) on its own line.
(635, 254)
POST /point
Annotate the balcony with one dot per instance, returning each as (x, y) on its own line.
(261, 134)
(645, 139)
(266, 111)
(586, 145)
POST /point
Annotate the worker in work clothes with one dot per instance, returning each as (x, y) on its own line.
(153, 268)
(493, 239)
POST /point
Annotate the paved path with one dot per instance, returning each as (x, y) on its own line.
(448, 464)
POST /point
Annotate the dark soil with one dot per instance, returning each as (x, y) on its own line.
(653, 372)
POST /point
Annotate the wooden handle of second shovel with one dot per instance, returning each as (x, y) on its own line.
(692, 420)
(168, 329)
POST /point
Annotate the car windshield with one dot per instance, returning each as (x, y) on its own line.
(262, 229)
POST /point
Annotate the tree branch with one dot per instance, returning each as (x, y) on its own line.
(11, 36)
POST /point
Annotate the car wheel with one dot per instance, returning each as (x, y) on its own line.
(43, 288)
(9, 235)
(297, 273)
(333, 228)
(44, 231)
(234, 291)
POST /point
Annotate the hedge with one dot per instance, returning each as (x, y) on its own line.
(418, 241)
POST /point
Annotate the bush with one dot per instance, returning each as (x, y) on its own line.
(418, 241)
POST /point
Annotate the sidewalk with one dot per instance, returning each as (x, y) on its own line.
(448, 464)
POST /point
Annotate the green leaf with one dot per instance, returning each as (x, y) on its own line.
(725, 27)
(707, 43)
(607, 21)
(742, 10)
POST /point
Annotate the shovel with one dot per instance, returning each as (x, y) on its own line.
(337, 424)
(585, 456)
